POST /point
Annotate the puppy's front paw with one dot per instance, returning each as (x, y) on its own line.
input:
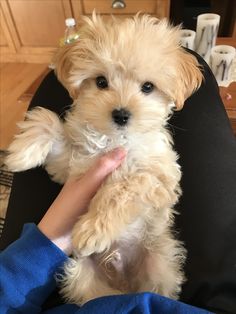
(86, 240)
(37, 134)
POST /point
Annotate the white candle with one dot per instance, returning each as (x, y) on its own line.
(221, 61)
(187, 38)
(207, 30)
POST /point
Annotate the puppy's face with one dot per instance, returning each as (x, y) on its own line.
(126, 76)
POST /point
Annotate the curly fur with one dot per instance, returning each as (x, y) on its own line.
(125, 242)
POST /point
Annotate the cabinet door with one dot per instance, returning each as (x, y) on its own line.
(37, 25)
(6, 42)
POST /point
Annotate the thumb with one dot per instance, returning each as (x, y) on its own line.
(106, 164)
(93, 178)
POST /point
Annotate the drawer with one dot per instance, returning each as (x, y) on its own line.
(132, 7)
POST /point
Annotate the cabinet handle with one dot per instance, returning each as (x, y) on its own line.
(118, 4)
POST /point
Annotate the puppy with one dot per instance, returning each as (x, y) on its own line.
(126, 78)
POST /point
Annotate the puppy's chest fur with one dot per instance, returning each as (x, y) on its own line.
(74, 155)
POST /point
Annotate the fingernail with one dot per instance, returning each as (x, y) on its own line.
(119, 153)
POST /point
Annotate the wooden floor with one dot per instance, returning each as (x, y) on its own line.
(15, 81)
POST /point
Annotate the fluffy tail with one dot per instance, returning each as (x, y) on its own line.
(40, 130)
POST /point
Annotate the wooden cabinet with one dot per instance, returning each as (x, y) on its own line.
(31, 29)
(158, 8)
(6, 42)
(228, 94)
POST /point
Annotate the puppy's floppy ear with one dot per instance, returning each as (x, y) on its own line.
(188, 77)
(178, 73)
(69, 64)
(77, 61)
(63, 65)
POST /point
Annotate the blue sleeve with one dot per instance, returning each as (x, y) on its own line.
(27, 278)
(145, 303)
(139, 303)
(27, 269)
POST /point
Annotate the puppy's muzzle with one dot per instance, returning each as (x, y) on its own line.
(121, 116)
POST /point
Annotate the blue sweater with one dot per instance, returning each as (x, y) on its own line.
(27, 279)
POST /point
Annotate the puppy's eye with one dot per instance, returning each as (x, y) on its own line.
(101, 82)
(147, 87)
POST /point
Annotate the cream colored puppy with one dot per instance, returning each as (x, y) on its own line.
(125, 78)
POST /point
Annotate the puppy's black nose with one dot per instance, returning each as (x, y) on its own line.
(121, 116)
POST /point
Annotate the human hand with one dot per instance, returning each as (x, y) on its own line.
(74, 199)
